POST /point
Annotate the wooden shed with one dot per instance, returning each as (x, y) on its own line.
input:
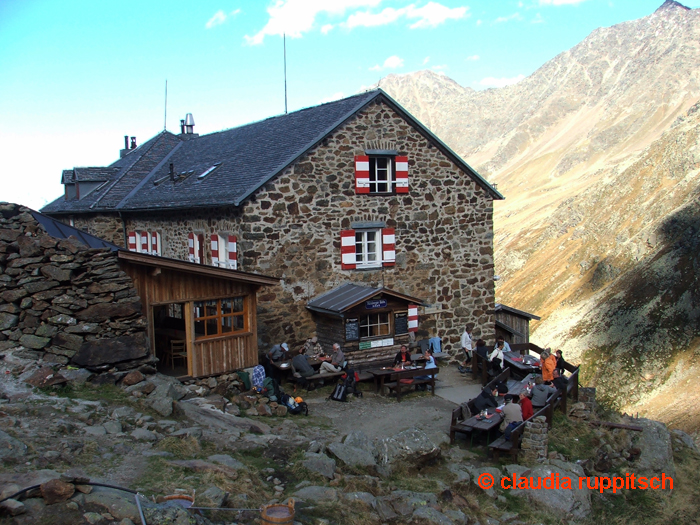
(512, 324)
(201, 319)
(368, 323)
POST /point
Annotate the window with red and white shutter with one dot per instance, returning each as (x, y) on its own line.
(144, 242)
(214, 250)
(132, 241)
(155, 243)
(401, 174)
(412, 318)
(232, 252)
(382, 174)
(361, 174)
(190, 246)
(357, 251)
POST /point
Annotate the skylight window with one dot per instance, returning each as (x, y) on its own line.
(208, 171)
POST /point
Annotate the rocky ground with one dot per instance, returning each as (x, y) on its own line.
(371, 460)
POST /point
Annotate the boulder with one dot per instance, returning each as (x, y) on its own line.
(352, 456)
(431, 515)
(208, 418)
(45, 377)
(142, 434)
(11, 447)
(411, 446)
(56, 490)
(656, 450)
(225, 460)
(315, 494)
(162, 405)
(78, 376)
(8, 321)
(685, 439)
(12, 507)
(365, 498)
(34, 342)
(133, 378)
(114, 350)
(213, 496)
(320, 464)
(561, 502)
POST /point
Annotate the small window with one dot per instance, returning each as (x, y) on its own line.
(368, 248)
(381, 176)
(216, 317)
(375, 325)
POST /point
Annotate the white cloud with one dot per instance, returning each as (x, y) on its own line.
(392, 62)
(538, 19)
(331, 98)
(472, 58)
(296, 17)
(478, 23)
(220, 17)
(326, 28)
(431, 14)
(501, 19)
(560, 2)
(426, 60)
(500, 82)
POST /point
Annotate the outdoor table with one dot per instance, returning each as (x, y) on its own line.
(515, 387)
(381, 374)
(521, 364)
(285, 367)
(483, 425)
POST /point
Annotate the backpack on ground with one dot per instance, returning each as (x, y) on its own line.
(271, 388)
(245, 379)
(292, 406)
(340, 392)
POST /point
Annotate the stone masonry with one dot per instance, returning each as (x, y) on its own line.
(291, 229)
(64, 302)
(535, 440)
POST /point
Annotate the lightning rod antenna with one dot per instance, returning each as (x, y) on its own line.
(284, 43)
(165, 118)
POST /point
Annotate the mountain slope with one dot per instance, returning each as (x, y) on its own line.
(595, 154)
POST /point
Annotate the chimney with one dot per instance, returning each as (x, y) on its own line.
(124, 152)
(172, 171)
(133, 142)
(189, 124)
(182, 126)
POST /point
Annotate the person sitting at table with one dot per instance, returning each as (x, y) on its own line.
(512, 416)
(403, 357)
(278, 353)
(548, 363)
(496, 358)
(486, 399)
(336, 364)
(540, 393)
(300, 364)
(429, 363)
(501, 339)
(526, 406)
(559, 382)
(313, 347)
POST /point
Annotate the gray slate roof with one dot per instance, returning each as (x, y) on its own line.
(502, 307)
(245, 159)
(348, 295)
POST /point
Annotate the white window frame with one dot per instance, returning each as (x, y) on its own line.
(385, 175)
(362, 246)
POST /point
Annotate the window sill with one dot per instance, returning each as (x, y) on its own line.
(221, 337)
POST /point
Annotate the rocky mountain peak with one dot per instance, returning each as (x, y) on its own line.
(671, 4)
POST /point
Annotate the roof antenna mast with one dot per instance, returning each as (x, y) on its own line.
(284, 43)
(165, 118)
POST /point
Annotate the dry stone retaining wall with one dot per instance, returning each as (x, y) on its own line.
(291, 229)
(64, 302)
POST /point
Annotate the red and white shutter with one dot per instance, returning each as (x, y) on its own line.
(361, 174)
(401, 174)
(144, 242)
(132, 241)
(348, 260)
(154, 243)
(388, 247)
(412, 318)
(214, 249)
(190, 247)
(232, 252)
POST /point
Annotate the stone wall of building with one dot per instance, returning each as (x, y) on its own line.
(291, 229)
(64, 302)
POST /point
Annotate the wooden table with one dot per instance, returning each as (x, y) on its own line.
(381, 374)
(515, 387)
(483, 425)
(519, 363)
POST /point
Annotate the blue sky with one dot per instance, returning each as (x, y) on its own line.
(79, 75)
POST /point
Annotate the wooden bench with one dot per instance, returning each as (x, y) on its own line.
(480, 367)
(571, 389)
(398, 385)
(512, 446)
(457, 421)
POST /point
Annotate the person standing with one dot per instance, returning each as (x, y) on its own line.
(548, 363)
(466, 344)
(336, 364)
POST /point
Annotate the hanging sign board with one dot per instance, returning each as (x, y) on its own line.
(372, 304)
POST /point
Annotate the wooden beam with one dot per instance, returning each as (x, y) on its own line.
(616, 425)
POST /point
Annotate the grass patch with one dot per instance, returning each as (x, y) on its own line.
(86, 392)
(573, 439)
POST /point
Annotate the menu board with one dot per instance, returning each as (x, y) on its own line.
(352, 330)
(401, 323)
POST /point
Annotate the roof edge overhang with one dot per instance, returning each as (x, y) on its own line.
(515, 311)
(371, 292)
(157, 261)
(510, 329)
